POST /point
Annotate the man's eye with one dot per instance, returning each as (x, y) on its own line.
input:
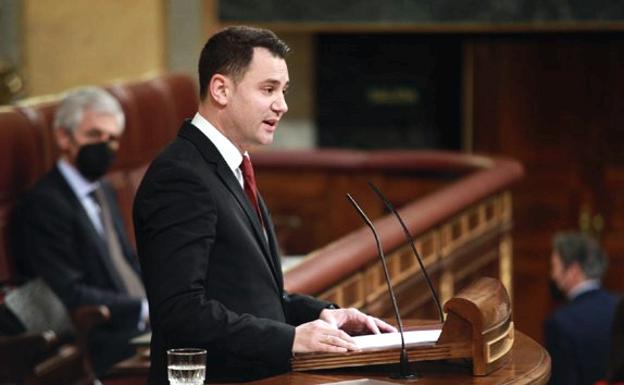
(269, 90)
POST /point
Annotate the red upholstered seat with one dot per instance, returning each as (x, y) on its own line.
(154, 110)
(21, 163)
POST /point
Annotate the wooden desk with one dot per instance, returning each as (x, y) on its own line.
(529, 364)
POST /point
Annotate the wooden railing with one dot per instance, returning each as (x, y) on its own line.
(462, 226)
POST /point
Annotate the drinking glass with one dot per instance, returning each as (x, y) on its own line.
(186, 366)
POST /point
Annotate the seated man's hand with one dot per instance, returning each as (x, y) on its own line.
(320, 336)
(354, 321)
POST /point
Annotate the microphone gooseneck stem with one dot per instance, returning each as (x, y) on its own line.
(404, 363)
(410, 237)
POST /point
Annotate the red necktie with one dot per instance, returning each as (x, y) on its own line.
(250, 185)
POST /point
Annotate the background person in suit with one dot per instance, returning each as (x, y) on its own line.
(205, 238)
(615, 367)
(69, 228)
(578, 334)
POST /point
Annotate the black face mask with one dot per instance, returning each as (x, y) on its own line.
(555, 293)
(94, 160)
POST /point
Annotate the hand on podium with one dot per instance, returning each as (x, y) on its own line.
(354, 321)
(320, 336)
(329, 332)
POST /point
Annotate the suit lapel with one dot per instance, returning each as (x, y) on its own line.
(276, 265)
(212, 155)
(87, 224)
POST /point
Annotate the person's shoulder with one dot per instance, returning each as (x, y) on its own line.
(558, 316)
(47, 181)
(599, 295)
(592, 304)
(179, 150)
(46, 188)
(610, 295)
(177, 158)
(567, 313)
(46, 200)
(179, 162)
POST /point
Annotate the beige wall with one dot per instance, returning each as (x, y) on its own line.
(67, 43)
(298, 129)
(301, 71)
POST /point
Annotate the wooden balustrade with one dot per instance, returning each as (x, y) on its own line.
(460, 215)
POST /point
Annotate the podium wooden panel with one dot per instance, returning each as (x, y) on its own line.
(478, 327)
(529, 363)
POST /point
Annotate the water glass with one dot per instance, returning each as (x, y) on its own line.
(186, 366)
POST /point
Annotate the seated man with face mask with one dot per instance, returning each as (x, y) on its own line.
(69, 230)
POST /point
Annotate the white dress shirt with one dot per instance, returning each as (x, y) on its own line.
(583, 287)
(82, 188)
(226, 148)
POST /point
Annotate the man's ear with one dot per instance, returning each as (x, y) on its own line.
(575, 271)
(220, 89)
(63, 139)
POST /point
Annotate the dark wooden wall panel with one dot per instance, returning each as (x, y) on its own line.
(555, 102)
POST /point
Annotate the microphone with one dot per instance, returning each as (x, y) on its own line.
(404, 370)
(410, 237)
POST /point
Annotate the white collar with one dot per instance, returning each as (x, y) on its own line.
(227, 149)
(583, 287)
(78, 183)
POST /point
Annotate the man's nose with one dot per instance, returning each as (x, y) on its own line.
(280, 104)
(112, 141)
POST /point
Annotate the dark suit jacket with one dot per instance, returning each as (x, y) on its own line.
(578, 338)
(55, 239)
(213, 280)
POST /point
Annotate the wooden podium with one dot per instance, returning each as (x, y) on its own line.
(478, 327)
(477, 345)
(528, 363)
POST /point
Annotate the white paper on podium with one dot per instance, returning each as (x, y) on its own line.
(390, 340)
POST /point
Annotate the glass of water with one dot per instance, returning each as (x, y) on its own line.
(186, 366)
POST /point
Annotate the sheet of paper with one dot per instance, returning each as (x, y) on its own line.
(390, 340)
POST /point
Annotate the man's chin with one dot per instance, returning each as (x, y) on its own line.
(266, 140)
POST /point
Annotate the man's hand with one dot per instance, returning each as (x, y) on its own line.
(354, 321)
(319, 336)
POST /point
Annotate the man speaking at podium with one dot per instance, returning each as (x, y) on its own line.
(204, 235)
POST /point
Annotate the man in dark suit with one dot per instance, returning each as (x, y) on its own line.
(205, 237)
(69, 228)
(578, 333)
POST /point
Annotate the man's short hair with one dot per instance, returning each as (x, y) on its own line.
(230, 51)
(69, 114)
(580, 248)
